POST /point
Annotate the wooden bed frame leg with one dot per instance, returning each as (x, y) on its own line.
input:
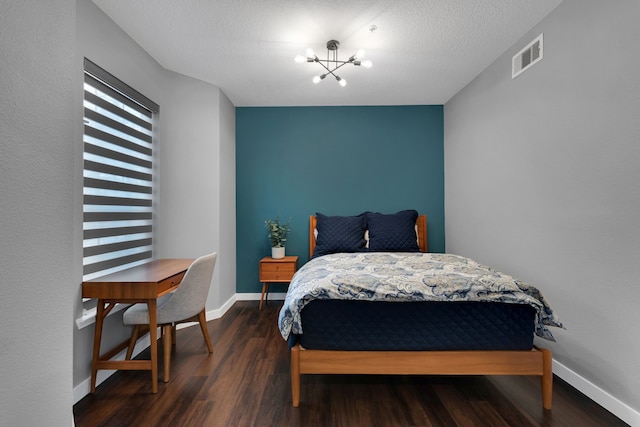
(295, 375)
(547, 378)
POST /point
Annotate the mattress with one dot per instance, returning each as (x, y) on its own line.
(423, 325)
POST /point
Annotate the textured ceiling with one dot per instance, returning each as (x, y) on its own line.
(423, 51)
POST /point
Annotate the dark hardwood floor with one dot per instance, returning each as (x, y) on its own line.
(245, 382)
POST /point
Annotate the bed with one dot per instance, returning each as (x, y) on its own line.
(359, 306)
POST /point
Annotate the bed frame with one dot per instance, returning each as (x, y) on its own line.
(536, 362)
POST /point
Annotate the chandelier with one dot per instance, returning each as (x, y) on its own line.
(332, 63)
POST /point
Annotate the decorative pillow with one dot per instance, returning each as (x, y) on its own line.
(339, 234)
(392, 232)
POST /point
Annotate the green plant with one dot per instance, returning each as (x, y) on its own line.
(277, 232)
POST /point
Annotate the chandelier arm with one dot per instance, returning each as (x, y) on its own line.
(335, 61)
(334, 75)
(331, 70)
(325, 67)
(339, 66)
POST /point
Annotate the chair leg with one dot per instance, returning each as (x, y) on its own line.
(132, 341)
(166, 340)
(202, 319)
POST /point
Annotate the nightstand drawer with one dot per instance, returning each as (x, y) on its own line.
(272, 267)
(276, 276)
(272, 271)
(281, 270)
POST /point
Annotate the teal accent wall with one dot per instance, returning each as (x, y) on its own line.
(295, 161)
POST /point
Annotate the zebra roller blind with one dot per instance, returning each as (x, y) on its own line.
(118, 174)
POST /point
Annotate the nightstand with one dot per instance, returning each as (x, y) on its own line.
(274, 270)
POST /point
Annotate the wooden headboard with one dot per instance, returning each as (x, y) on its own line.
(421, 224)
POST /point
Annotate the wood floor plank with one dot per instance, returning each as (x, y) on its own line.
(246, 382)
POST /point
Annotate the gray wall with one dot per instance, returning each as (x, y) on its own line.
(191, 155)
(36, 231)
(542, 180)
(226, 287)
(197, 184)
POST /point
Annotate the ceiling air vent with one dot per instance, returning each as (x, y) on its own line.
(528, 56)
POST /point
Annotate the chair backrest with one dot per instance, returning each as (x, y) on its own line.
(190, 297)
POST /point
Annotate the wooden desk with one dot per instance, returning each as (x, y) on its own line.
(141, 284)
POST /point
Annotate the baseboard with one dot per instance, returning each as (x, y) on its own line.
(598, 395)
(218, 313)
(256, 296)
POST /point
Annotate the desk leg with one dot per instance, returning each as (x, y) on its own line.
(153, 336)
(97, 337)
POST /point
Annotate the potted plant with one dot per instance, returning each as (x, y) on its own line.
(278, 234)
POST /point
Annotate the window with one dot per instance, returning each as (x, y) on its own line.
(118, 174)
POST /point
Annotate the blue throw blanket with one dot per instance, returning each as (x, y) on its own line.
(391, 276)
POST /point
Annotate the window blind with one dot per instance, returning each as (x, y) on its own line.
(118, 174)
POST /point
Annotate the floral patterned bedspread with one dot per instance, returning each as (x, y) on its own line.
(391, 276)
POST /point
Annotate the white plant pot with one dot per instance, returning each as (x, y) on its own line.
(277, 253)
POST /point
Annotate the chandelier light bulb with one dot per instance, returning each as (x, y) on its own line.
(342, 82)
(300, 59)
(318, 79)
(367, 63)
(360, 54)
(310, 53)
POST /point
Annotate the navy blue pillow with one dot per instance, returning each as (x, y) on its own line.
(339, 234)
(393, 232)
